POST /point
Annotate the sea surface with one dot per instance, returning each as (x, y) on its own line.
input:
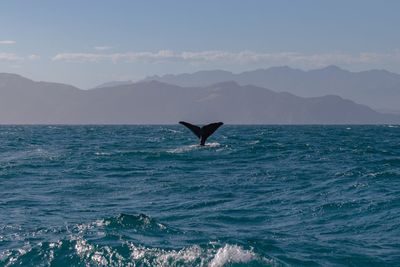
(150, 196)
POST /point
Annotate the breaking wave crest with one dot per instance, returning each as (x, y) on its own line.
(104, 243)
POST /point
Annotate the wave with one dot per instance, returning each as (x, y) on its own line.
(31, 154)
(168, 130)
(80, 252)
(81, 245)
(138, 222)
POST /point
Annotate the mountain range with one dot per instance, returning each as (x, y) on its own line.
(379, 89)
(23, 101)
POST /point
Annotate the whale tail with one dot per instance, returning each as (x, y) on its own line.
(204, 132)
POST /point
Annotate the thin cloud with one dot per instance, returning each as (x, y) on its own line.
(115, 57)
(102, 48)
(7, 42)
(80, 57)
(242, 57)
(33, 57)
(10, 57)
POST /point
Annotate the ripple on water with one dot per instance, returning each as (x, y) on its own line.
(256, 196)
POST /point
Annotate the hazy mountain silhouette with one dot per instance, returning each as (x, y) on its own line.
(23, 101)
(378, 89)
(113, 83)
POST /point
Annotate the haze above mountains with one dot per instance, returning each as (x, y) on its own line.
(209, 96)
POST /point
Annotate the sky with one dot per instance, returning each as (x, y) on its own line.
(86, 43)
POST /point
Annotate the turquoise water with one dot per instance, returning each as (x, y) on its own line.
(148, 196)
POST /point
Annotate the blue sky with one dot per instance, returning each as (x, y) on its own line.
(85, 43)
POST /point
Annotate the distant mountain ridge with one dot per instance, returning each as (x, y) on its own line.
(113, 83)
(378, 89)
(23, 101)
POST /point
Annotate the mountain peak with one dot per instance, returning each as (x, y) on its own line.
(13, 76)
(331, 68)
(113, 83)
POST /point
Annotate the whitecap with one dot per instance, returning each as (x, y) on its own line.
(102, 154)
(99, 259)
(232, 254)
(82, 248)
(227, 254)
(100, 255)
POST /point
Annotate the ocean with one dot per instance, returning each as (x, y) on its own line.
(150, 196)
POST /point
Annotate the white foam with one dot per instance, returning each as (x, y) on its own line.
(232, 254)
(57, 244)
(193, 254)
(161, 257)
(188, 255)
(183, 149)
(172, 131)
(215, 144)
(83, 249)
(83, 227)
(102, 154)
(98, 255)
(189, 148)
(30, 154)
(98, 258)
(5, 254)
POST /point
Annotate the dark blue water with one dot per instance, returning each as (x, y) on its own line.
(147, 196)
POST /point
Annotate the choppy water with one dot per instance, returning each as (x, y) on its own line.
(147, 196)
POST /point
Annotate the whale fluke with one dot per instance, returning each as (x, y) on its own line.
(204, 132)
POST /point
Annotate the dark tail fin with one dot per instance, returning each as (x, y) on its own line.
(195, 129)
(204, 132)
(209, 129)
